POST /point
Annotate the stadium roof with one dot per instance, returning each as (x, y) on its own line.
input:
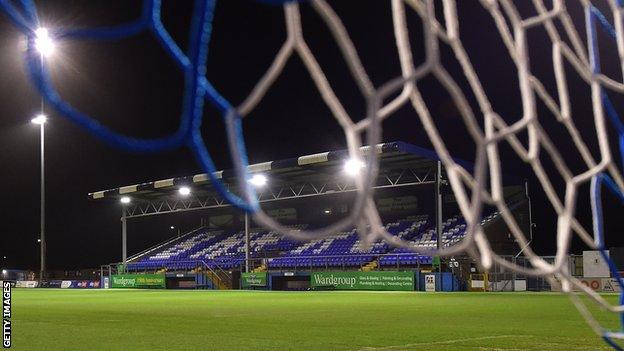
(400, 165)
(392, 156)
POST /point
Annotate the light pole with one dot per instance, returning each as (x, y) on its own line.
(125, 200)
(258, 181)
(41, 120)
(45, 46)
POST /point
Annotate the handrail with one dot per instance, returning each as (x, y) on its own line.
(215, 273)
(344, 256)
(222, 270)
(280, 266)
(173, 263)
(157, 246)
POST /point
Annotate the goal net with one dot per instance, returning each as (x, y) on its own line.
(574, 51)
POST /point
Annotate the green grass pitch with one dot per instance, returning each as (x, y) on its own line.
(50, 319)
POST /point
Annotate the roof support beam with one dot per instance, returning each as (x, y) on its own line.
(399, 178)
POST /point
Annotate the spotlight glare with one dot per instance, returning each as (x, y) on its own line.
(125, 200)
(4, 272)
(39, 119)
(258, 180)
(43, 42)
(184, 191)
(353, 166)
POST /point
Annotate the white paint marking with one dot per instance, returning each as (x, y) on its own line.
(442, 342)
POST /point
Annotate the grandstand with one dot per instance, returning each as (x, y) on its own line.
(305, 193)
(227, 249)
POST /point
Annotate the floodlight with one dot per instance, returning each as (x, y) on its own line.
(172, 227)
(125, 200)
(38, 240)
(184, 191)
(327, 211)
(43, 42)
(258, 180)
(353, 166)
(4, 272)
(39, 119)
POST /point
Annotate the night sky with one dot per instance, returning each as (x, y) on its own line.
(133, 87)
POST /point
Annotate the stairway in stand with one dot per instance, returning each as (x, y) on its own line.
(219, 282)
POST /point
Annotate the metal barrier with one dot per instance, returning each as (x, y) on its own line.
(340, 262)
(501, 279)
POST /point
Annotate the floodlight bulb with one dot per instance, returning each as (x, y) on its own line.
(258, 180)
(4, 272)
(43, 42)
(39, 119)
(172, 227)
(353, 166)
(184, 191)
(125, 200)
(38, 240)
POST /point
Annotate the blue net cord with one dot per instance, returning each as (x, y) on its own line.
(591, 16)
(16, 16)
(197, 88)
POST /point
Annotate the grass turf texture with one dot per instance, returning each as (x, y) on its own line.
(50, 319)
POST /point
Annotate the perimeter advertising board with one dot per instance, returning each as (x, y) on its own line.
(26, 284)
(611, 285)
(384, 280)
(253, 279)
(150, 281)
(430, 282)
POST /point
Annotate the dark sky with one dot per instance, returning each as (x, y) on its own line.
(133, 87)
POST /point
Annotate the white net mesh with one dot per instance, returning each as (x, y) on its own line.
(482, 186)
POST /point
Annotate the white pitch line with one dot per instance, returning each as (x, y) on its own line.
(455, 341)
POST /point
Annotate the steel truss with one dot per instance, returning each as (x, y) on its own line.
(174, 204)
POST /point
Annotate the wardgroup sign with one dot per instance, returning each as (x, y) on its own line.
(383, 280)
(138, 281)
